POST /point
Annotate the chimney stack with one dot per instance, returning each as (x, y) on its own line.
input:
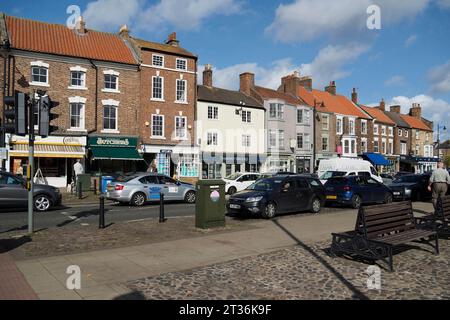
(207, 76)
(246, 82)
(172, 40)
(124, 32)
(331, 89)
(291, 83)
(355, 96)
(80, 25)
(382, 106)
(396, 109)
(416, 111)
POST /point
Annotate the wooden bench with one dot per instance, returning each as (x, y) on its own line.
(439, 220)
(379, 230)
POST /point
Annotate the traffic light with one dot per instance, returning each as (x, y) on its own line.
(46, 117)
(15, 116)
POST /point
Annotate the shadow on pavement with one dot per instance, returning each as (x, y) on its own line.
(82, 214)
(357, 294)
(11, 244)
(134, 295)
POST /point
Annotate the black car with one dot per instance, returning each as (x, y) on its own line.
(14, 194)
(411, 187)
(279, 194)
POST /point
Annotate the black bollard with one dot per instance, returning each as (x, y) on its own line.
(95, 186)
(101, 213)
(80, 190)
(161, 208)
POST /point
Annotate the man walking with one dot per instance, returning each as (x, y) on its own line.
(439, 181)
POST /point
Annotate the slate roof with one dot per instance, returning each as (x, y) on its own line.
(218, 95)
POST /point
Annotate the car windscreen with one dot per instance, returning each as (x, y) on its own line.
(233, 176)
(332, 174)
(264, 184)
(124, 178)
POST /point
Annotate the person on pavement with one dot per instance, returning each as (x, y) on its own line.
(439, 181)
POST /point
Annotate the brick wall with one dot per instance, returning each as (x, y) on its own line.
(168, 108)
(59, 81)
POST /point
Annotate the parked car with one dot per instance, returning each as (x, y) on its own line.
(356, 191)
(401, 173)
(14, 194)
(239, 181)
(138, 189)
(411, 187)
(274, 174)
(279, 194)
(387, 178)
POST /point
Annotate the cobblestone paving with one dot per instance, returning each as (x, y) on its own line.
(76, 239)
(299, 273)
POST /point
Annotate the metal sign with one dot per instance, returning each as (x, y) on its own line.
(3, 153)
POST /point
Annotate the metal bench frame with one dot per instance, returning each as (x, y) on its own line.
(379, 230)
(439, 220)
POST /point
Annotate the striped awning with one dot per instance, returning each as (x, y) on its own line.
(49, 151)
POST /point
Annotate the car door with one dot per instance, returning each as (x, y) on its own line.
(152, 187)
(303, 195)
(287, 197)
(12, 191)
(375, 189)
(170, 188)
(360, 187)
(244, 182)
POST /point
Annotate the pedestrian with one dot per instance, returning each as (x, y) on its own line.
(78, 169)
(19, 170)
(439, 181)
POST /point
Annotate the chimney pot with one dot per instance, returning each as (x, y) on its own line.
(246, 82)
(172, 40)
(80, 25)
(382, 105)
(354, 96)
(124, 32)
(331, 89)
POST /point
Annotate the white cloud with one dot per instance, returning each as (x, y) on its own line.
(181, 14)
(439, 78)
(411, 40)
(395, 81)
(330, 61)
(436, 110)
(304, 20)
(327, 65)
(110, 15)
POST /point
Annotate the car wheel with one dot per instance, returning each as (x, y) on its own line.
(138, 199)
(42, 203)
(269, 211)
(231, 190)
(388, 198)
(356, 201)
(316, 205)
(189, 197)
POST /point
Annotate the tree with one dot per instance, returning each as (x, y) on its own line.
(447, 161)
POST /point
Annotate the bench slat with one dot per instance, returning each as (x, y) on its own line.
(380, 209)
(400, 219)
(374, 234)
(388, 215)
(406, 236)
(387, 226)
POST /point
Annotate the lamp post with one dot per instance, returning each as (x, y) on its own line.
(438, 138)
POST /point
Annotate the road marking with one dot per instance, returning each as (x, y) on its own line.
(73, 218)
(84, 224)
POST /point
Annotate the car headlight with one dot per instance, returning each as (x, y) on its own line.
(254, 199)
(408, 190)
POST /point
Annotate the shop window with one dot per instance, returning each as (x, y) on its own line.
(163, 163)
(189, 165)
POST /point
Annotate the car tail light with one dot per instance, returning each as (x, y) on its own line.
(118, 187)
(346, 188)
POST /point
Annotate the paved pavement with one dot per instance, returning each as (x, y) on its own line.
(13, 285)
(115, 273)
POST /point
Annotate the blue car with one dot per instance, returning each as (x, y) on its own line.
(355, 191)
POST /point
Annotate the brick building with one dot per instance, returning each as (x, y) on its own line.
(341, 127)
(92, 79)
(167, 100)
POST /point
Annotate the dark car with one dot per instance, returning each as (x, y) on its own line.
(402, 173)
(279, 194)
(411, 187)
(356, 190)
(14, 194)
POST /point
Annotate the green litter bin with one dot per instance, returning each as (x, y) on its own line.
(210, 204)
(85, 180)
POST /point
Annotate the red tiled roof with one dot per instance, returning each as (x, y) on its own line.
(416, 123)
(57, 39)
(266, 93)
(326, 102)
(377, 114)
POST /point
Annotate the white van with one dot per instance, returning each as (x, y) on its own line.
(346, 167)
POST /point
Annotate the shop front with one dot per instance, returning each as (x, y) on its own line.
(221, 165)
(181, 162)
(54, 158)
(416, 164)
(114, 155)
(303, 164)
(279, 163)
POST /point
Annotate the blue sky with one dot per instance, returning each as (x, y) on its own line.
(406, 61)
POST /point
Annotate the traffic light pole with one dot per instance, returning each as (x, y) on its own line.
(30, 172)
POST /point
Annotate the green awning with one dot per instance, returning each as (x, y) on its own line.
(115, 153)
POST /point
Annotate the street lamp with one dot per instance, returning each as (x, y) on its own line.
(439, 127)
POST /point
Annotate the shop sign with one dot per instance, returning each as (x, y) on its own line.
(165, 151)
(112, 142)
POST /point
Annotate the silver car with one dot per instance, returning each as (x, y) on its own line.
(146, 187)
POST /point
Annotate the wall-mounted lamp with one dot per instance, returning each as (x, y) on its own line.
(147, 123)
